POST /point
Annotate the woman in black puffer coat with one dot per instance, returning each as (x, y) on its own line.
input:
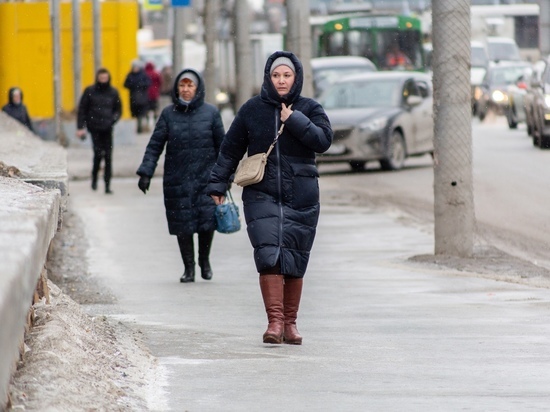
(283, 209)
(192, 132)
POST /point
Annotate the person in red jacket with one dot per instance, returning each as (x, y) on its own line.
(154, 91)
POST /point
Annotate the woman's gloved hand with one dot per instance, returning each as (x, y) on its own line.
(144, 183)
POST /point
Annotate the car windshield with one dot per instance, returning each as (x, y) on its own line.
(502, 51)
(364, 93)
(507, 75)
(325, 77)
(479, 57)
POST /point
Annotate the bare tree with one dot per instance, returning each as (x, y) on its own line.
(96, 11)
(56, 52)
(211, 11)
(77, 60)
(544, 22)
(298, 39)
(453, 181)
(243, 56)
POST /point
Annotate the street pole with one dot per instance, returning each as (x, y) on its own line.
(299, 39)
(77, 60)
(453, 176)
(243, 54)
(211, 10)
(544, 27)
(56, 52)
(96, 11)
(179, 27)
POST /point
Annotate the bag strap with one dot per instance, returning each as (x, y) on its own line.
(280, 132)
(229, 197)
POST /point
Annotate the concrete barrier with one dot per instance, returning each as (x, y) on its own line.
(31, 208)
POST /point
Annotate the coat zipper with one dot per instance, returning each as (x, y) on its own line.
(280, 191)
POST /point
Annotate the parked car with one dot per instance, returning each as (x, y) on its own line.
(328, 69)
(382, 116)
(541, 109)
(493, 91)
(479, 61)
(502, 49)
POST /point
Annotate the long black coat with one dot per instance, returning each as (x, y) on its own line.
(17, 111)
(138, 83)
(282, 210)
(99, 108)
(192, 134)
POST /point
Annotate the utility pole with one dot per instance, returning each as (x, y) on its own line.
(180, 21)
(211, 11)
(544, 27)
(96, 11)
(243, 54)
(299, 39)
(77, 60)
(56, 52)
(453, 176)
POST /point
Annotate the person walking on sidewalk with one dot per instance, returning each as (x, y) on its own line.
(192, 131)
(283, 209)
(137, 82)
(98, 111)
(153, 92)
(16, 109)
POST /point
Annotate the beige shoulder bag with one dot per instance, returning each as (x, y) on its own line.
(251, 170)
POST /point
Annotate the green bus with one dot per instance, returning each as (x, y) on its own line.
(391, 42)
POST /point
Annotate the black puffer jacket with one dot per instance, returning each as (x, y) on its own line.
(99, 108)
(192, 134)
(17, 110)
(283, 209)
(138, 83)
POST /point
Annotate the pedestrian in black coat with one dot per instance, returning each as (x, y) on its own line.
(138, 83)
(282, 210)
(192, 132)
(16, 109)
(98, 111)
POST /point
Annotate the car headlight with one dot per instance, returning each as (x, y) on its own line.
(547, 100)
(375, 124)
(499, 97)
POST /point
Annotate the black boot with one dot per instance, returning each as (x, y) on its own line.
(205, 242)
(108, 190)
(94, 182)
(188, 256)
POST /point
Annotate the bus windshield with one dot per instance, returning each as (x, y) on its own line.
(390, 42)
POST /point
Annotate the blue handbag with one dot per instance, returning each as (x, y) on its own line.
(227, 216)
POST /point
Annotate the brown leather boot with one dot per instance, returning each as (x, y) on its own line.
(272, 292)
(292, 295)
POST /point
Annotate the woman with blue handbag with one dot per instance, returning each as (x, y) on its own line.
(282, 209)
(192, 132)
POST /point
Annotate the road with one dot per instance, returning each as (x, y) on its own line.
(511, 189)
(380, 332)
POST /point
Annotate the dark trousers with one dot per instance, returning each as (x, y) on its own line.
(103, 149)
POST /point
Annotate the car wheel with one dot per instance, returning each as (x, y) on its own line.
(512, 118)
(358, 166)
(396, 153)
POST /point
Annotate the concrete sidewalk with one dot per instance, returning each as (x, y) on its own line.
(380, 333)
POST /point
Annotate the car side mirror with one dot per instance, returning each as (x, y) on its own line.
(414, 100)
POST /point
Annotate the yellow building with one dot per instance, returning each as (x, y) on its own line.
(26, 51)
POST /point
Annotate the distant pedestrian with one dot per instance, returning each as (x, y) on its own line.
(192, 132)
(166, 86)
(153, 92)
(98, 111)
(138, 83)
(282, 210)
(16, 109)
